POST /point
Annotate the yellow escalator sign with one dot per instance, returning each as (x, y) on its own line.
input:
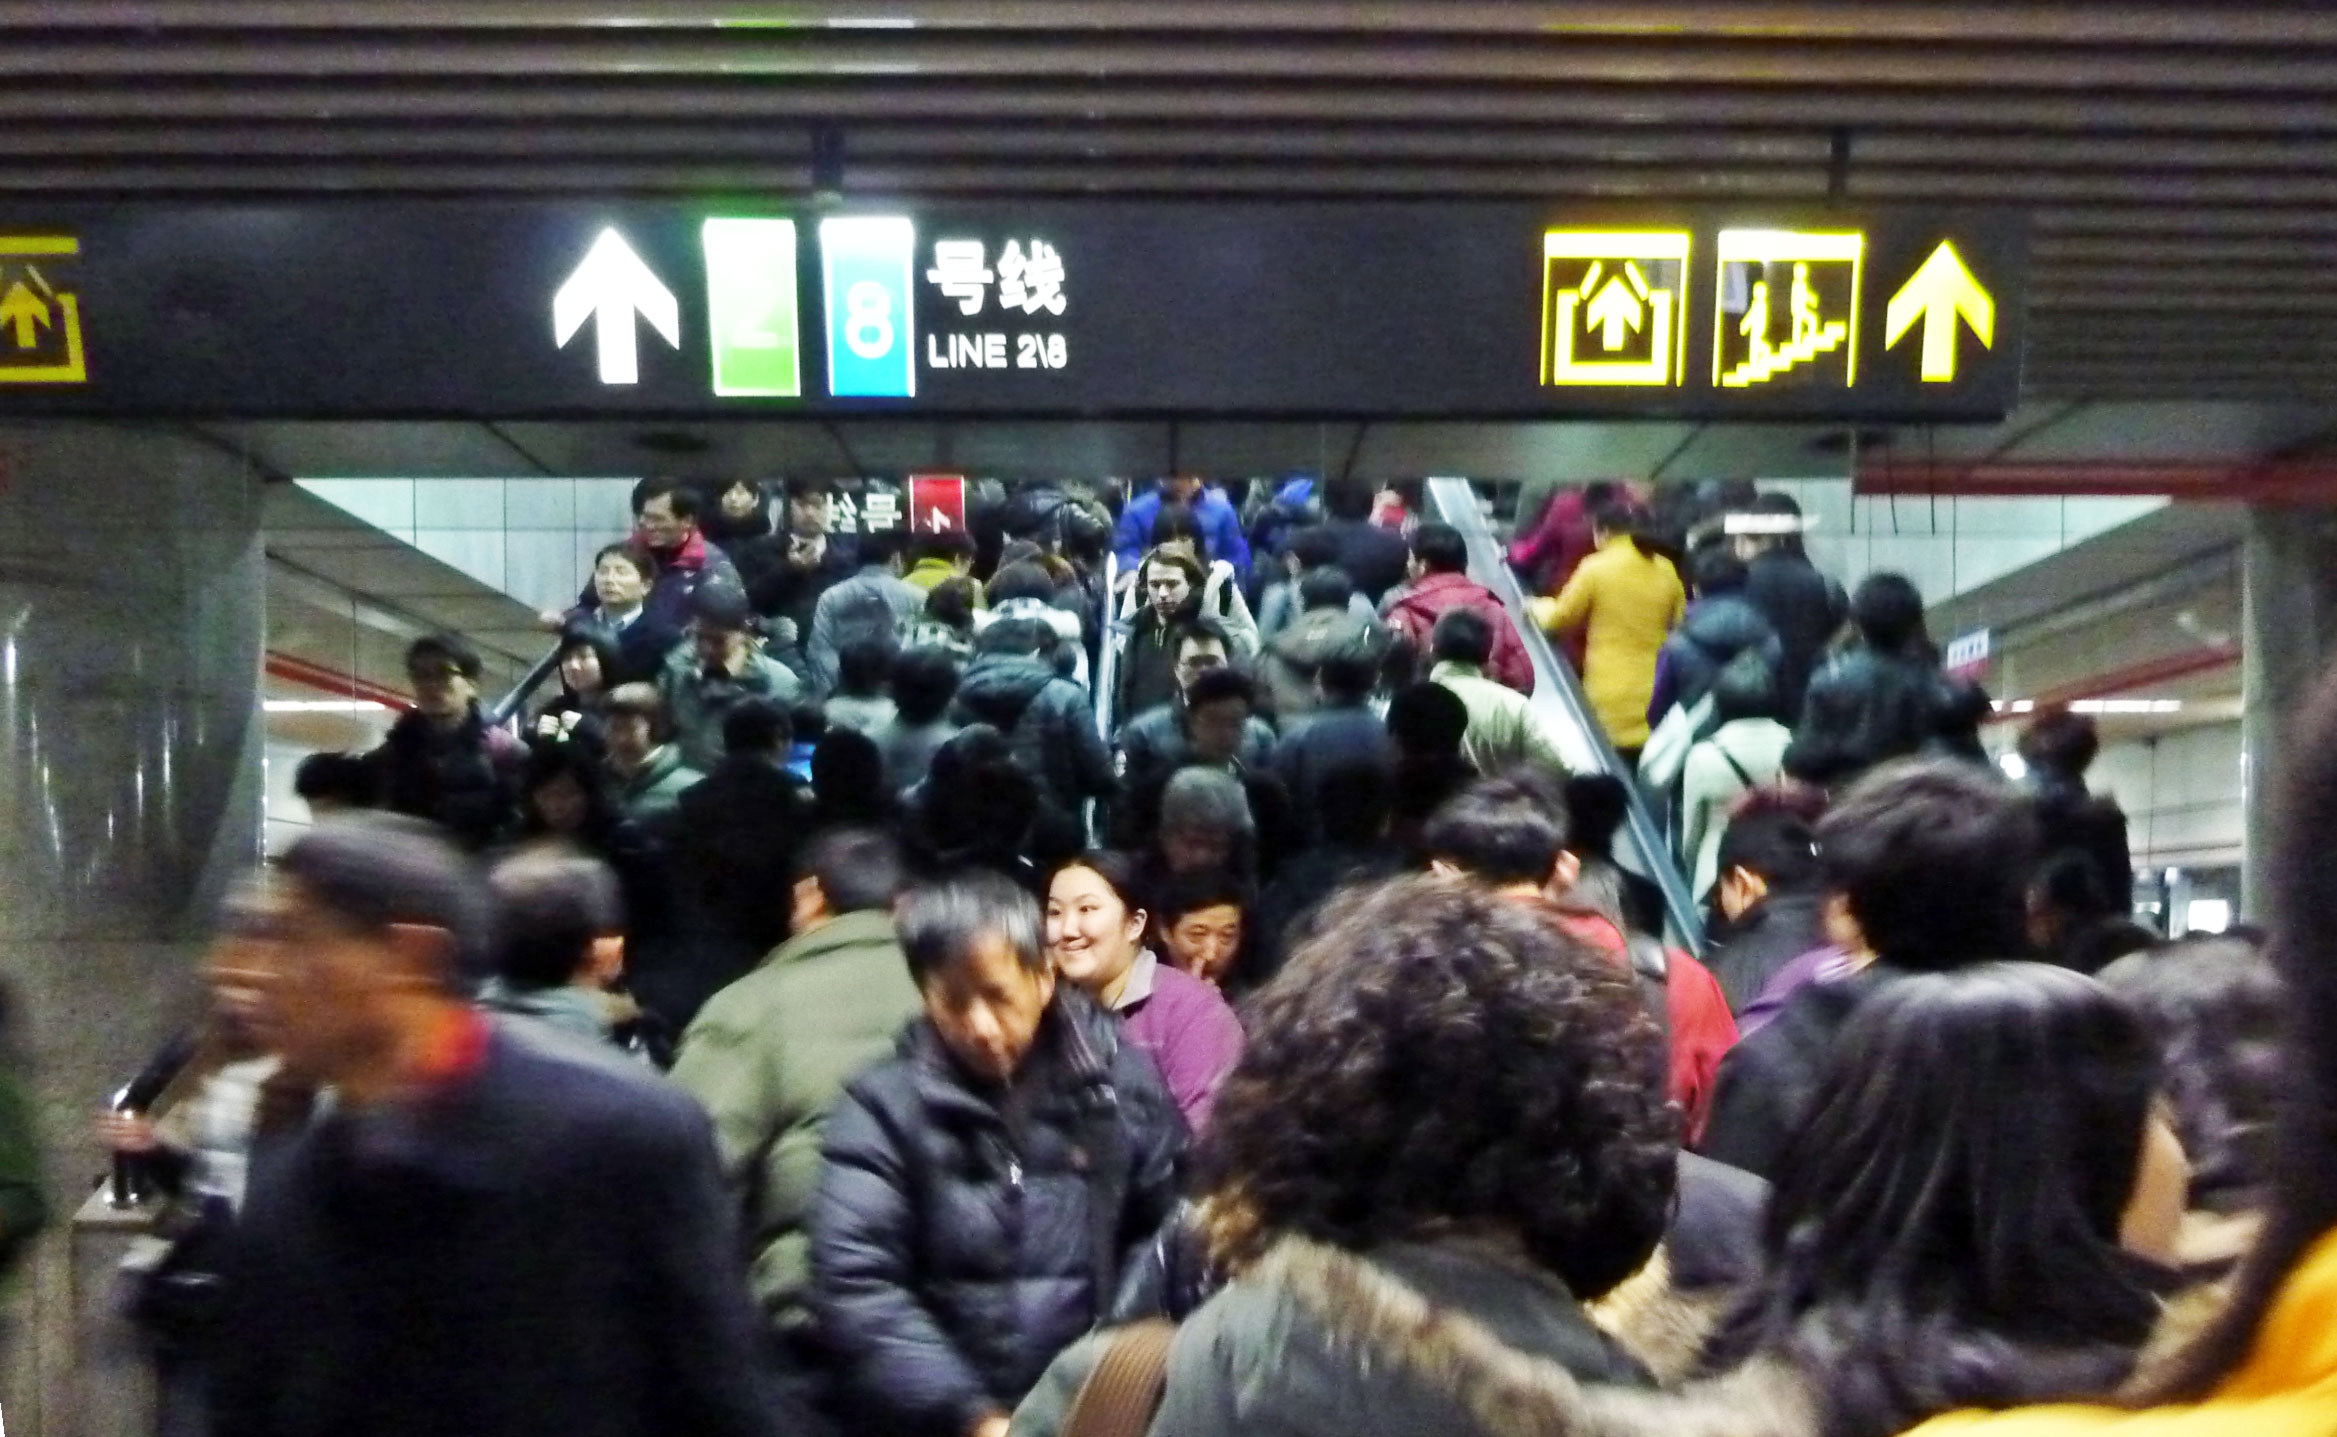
(1941, 292)
(40, 321)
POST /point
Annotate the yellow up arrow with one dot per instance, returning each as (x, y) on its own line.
(1941, 290)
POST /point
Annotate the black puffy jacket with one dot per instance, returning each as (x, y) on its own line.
(1805, 607)
(1715, 630)
(955, 1252)
(1047, 721)
(1864, 707)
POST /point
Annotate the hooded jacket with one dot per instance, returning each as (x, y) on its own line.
(1716, 630)
(1413, 613)
(1046, 720)
(1289, 663)
(954, 1251)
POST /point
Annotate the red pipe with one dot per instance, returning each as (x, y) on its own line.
(332, 681)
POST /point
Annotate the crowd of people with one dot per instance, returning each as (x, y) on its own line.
(823, 1015)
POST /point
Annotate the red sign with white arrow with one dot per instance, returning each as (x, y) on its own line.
(937, 503)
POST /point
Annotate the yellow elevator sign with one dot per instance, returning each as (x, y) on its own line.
(40, 321)
(1614, 307)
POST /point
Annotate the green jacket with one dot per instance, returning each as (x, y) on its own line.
(768, 1056)
(652, 795)
(1505, 729)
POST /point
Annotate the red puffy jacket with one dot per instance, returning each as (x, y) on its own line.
(1414, 612)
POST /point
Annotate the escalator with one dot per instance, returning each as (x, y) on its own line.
(1640, 847)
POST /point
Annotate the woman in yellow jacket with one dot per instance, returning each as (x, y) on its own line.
(1627, 598)
(2269, 1366)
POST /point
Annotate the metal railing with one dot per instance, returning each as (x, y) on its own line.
(1107, 658)
(1641, 846)
(507, 708)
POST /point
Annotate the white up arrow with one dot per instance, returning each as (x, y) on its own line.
(611, 286)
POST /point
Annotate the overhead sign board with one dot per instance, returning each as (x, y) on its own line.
(1044, 307)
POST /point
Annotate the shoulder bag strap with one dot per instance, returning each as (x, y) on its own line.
(1731, 760)
(1124, 1389)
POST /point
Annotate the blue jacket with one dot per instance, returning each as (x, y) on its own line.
(1221, 528)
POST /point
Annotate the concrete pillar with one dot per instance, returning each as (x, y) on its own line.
(2289, 588)
(131, 627)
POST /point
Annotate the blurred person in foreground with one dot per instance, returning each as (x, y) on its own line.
(1447, 1134)
(986, 1188)
(770, 1054)
(2267, 1366)
(1925, 865)
(492, 1232)
(1934, 1245)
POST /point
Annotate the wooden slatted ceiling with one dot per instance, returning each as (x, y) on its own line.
(2181, 161)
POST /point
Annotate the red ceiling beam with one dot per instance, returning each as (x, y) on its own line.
(332, 681)
(2218, 483)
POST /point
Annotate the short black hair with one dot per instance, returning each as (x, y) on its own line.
(1746, 687)
(550, 907)
(586, 634)
(644, 563)
(1178, 521)
(1774, 841)
(374, 870)
(862, 663)
(859, 870)
(1347, 675)
(1718, 570)
(1502, 830)
(1427, 719)
(1313, 547)
(336, 778)
(924, 681)
(1616, 515)
(1595, 806)
(1462, 636)
(2061, 741)
(1203, 626)
(684, 494)
(1217, 685)
(939, 923)
(1440, 549)
(1933, 857)
(1346, 499)
(810, 487)
(641, 701)
(1025, 580)
(1191, 892)
(1887, 610)
(452, 649)
(1325, 587)
(878, 547)
(951, 603)
(951, 544)
(757, 725)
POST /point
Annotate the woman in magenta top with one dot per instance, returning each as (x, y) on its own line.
(1095, 933)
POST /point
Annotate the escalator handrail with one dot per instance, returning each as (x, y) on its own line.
(1107, 659)
(508, 707)
(1641, 846)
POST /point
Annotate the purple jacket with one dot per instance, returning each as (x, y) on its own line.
(1819, 965)
(1187, 1027)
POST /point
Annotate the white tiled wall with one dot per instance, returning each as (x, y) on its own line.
(2182, 794)
(1949, 544)
(530, 538)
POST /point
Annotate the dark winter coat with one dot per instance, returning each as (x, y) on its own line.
(544, 1245)
(1716, 630)
(2069, 819)
(736, 834)
(1148, 663)
(1769, 935)
(1292, 658)
(1769, 1081)
(464, 779)
(1374, 559)
(1320, 743)
(1046, 719)
(1805, 608)
(955, 1251)
(1864, 707)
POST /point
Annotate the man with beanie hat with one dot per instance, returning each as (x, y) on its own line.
(719, 666)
